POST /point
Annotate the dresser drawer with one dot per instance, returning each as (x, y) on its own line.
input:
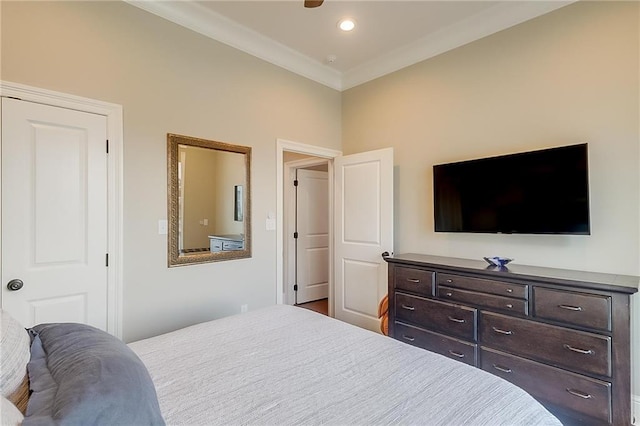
(453, 348)
(502, 303)
(414, 280)
(457, 321)
(215, 245)
(588, 310)
(232, 245)
(501, 288)
(559, 387)
(576, 350)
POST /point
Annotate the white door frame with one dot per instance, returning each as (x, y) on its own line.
(113, 113)
(289, 209)
(283, 146)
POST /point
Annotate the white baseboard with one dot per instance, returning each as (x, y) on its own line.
(635, 409)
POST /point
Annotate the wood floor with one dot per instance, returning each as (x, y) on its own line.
(321, 306)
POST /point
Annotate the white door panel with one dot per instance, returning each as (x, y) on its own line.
(359, 296)
(54, 213)
(360, 196)
(59, 194)
(70, 308)
(363, 231)
(312, 244)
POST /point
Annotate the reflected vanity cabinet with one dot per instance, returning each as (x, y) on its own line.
(225, 242)
(561, 335)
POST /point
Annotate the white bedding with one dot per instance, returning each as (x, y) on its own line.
(285, 365)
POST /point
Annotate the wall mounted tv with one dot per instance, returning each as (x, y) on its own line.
(537, 192)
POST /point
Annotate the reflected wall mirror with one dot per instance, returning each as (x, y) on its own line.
(209, 200)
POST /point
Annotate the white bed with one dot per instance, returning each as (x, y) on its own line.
(275, 366)
(285, 365)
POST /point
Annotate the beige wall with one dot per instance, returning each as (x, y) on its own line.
(170, 79)
(293, 156)
(230, 172)
(199, 196)
(564, 78)
(567, 77)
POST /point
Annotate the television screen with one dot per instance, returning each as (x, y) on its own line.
(538, 192)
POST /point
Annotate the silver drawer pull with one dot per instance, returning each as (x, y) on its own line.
(509, 305)
(503, 369)
(579, 394)
(570, 308)
(509, 290)
(458, 320)
(449, 281)
(507, 332)
(408, 308)
(456, 354)
(413, 280)
(449, 294)
(409, 338)
(578, 350)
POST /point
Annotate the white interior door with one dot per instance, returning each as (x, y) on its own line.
(54, 214)
(363, 231)
(312, 244)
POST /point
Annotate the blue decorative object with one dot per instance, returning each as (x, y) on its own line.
(498, 261)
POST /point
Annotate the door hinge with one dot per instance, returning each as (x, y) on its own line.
(295, 287)
(107, 146)
(295, 234)
(295, 182)
(107, 259)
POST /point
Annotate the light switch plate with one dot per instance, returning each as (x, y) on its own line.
(163, 227)
(270, 225)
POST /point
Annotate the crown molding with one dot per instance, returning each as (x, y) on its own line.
(490, 21)
(213, 25)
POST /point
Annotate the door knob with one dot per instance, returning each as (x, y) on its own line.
(15, 285)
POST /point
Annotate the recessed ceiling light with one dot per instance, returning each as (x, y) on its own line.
(347, 24)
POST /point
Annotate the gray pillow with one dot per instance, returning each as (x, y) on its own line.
(80, 375)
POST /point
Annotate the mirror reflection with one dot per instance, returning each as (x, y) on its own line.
(209, 202)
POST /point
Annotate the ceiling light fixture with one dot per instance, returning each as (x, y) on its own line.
(347, 24)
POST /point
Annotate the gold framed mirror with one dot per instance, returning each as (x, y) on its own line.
(209, 200)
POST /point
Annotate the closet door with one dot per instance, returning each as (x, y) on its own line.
(312, 244)
(54, 214)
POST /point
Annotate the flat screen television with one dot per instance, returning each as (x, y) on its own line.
(537, 192)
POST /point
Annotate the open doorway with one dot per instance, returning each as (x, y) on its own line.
(316, 164)
(306, 210)
(360, 229)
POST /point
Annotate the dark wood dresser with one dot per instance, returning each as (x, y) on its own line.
(563, 336)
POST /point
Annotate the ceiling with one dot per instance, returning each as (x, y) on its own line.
(389, 35)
